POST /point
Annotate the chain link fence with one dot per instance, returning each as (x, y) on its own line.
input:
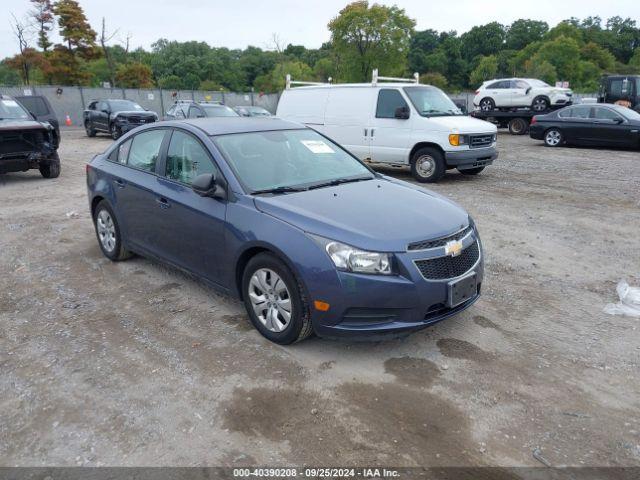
(72, 101)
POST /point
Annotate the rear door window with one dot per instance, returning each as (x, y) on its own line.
(187, 158)
(388, 101)
(145, 149)
(575, 112)
(120, 154)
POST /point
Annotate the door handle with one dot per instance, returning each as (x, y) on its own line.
(366, 130)
(119, 183)
(372, 132)
(163, 202)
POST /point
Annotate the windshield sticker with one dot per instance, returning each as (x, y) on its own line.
(317, 146)
(10, 103)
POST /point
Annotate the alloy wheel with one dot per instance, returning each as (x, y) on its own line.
(553, 138)
(539, 105)
(106, 231)
(486, 106)
(270, 299)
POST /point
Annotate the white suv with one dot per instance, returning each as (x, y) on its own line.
(520, 92)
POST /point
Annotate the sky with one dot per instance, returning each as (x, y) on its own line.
(251, 22)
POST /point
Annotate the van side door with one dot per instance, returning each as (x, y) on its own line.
(390, 135)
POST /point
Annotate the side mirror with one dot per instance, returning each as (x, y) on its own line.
(526, 92)
(402, 113)
(105, 111)
(205, 185)
(618, 120)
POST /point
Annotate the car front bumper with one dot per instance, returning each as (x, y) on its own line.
(471, 158)
(371, 306)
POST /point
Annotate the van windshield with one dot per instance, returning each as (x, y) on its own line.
(288, 160)
(431, 101)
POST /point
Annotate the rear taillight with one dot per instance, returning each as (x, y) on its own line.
(534, 120)
(87, 168)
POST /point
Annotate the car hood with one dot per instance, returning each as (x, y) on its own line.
(16, 124)
(456, 124)
(379, 215)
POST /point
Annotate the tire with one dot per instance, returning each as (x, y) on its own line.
(487, 104)
(427, 165)
(50, 168)
(471, 171)
(263, 272)
(518, 126)
(553, 137)
(115, 131)
(540, 104)
(90, 131)
(113, 250)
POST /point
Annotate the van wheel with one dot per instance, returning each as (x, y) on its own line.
(471, 171)
(427, 165)
(275, 300)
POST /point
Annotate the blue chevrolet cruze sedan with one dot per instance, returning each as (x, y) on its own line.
(310, 238)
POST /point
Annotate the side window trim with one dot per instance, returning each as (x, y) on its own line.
(162, 165)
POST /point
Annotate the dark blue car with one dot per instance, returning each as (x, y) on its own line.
(305, 234)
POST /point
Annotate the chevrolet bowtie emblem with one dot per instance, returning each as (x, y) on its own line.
(453, 248)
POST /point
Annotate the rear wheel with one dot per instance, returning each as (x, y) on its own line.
(427, 165)
(50, 168)
(518, 126)
(471, 171)
(487, 104)
(115, 131)
(275, 300)
(108, 233)
(553, 137)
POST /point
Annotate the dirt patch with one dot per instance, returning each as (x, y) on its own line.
(461, 349)
(484, 322)
(418, 372)
(239, 322)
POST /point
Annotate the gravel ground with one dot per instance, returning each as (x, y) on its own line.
(137, 364)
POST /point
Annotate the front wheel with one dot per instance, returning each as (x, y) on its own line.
(427, 165)
(89, 129)
(108, 233)
(115, 131)
(275, 300)
(471, 171)
(50, 168)
(553, 137)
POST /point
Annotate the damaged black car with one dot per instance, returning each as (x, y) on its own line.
(26, 143)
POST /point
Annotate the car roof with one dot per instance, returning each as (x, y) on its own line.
(227, 125)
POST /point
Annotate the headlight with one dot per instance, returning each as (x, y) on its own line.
(352, 259)
(456, 139)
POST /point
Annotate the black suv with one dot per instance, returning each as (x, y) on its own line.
(115, 117)
(620, 89)
(26, 143)
(190, 109)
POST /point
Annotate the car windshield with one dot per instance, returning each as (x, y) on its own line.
(10, 109)
(288, 160)
(218, 111)
(124, 106)
(538, 83)
(431, 101)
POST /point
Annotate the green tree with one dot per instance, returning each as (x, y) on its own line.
(421, 45)
(75, 29)
(523, 32)
(598, 56)
(587, 76)
(275, 80)
(43, 19)
(8, 75)
(368, 37)
(171, 82)
(483, 40)
(134, 75)
(542, 70)
(487, 69)
(435, 79)
(562, 53)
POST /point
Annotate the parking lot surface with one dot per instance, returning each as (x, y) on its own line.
(134, 363)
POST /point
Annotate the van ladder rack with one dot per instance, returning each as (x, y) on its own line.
(375, 78)
(290, 82)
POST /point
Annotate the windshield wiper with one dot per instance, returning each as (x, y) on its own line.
(279, 190)
(339, 181)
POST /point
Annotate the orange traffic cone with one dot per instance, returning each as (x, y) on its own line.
(67, 120)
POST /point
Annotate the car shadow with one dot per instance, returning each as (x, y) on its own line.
(16, 177)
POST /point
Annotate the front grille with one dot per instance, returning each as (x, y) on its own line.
(439, 242)
(481, 141)
(449, 267)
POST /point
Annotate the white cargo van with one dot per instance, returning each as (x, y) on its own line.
(399, 123)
